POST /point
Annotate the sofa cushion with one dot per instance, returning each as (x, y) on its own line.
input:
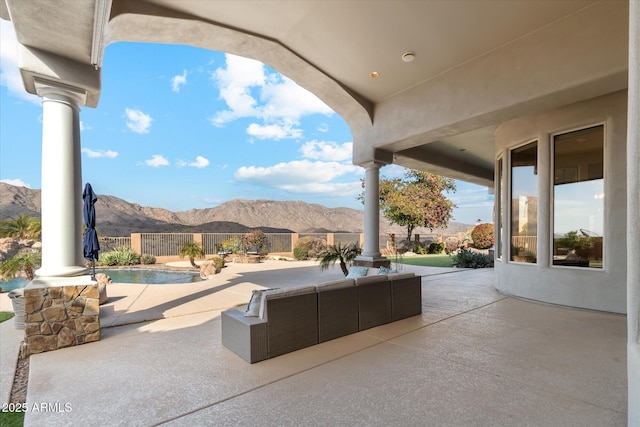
(386, 270)
(335, 284)
(253, 308)
(357, 271)
(268, 294)
(400, 276)
(370, 279)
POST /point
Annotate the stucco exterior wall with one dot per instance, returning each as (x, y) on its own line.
(599, 289)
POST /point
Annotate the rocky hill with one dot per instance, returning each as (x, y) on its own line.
(117, 217)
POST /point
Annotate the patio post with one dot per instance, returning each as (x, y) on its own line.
(61, 181)
(633, 207)
(371, 255)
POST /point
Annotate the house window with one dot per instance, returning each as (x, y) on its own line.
(524, 203)
(578, 198)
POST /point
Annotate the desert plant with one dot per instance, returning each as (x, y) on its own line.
(436, 248)
(26, 262)
(218, 262)
(121, 255)
(147, 259)
(232, 245)
(300, 253)
(315, 246)
(21, 227)
(465, 258)
(255, 239)
(482, 236)
(192, 250)
(345, 254)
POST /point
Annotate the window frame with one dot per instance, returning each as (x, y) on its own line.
(552, 201)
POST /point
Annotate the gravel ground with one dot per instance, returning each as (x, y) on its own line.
(20, 382)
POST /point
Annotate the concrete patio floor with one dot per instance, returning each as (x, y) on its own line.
(474, 357)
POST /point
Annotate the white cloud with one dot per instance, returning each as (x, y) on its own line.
(274, 131)
(200, 162)
(138, 121)
(178, 81)
(470, 196)
(303, 176)
(325, 150)
(156, 161)
(323, 128)
(250, 91)
(9, 71)
(17, 182)
(84, 126)
(100, 153)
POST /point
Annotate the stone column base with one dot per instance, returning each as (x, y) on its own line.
(372, 262)
(61, 316)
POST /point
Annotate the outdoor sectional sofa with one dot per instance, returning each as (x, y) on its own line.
(279, 321)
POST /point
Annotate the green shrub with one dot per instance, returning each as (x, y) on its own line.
(232, 245)
(451, 244)
(300, 253)
(466, 258)
(421, 250)
(436, 248)
(315, 246)
(147, 259)
(218, 262)
(119, 256)
(482, 236)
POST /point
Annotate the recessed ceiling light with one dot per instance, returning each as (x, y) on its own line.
(374, 74)
(408, 56)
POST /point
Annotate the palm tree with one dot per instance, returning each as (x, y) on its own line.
(344, 254)
(26, 262)
(192, 250)
(21, 227)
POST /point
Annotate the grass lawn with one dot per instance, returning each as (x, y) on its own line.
(5, 315)
(439, 260)
(10, 419)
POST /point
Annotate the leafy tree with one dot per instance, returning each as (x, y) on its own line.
(416, 200)
(254, 239)
(21, 227)
(192, 250)
(345, 254)
(27, 262)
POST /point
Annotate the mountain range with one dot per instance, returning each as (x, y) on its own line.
(117, 217)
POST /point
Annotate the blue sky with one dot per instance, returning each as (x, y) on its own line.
(180, 127)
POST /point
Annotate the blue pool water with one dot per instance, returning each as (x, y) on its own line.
(126, 275)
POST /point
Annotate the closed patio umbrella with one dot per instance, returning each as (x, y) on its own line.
(90, 244)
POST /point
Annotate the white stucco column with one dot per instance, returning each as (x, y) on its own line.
(372, 211)
(371, 255)
(633, 212)
(61, 182)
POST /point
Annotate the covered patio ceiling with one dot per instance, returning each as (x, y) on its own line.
(333, 47)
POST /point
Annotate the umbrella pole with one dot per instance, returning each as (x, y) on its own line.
(93, 264)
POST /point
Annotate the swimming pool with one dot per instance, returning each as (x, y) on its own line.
(126, 275)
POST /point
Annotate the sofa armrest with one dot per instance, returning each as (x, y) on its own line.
(245, 336)
(406, 296)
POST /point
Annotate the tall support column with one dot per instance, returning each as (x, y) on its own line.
(61, 182)
(633, 225)
(371, 255)
(372, 211)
